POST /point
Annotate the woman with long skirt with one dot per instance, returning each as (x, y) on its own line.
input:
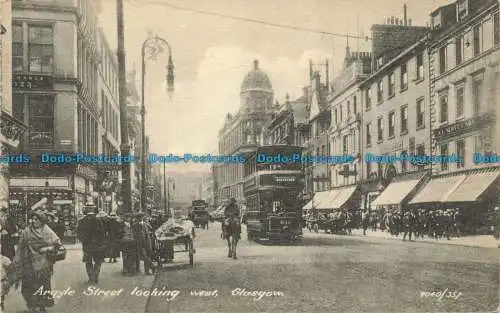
(33, 267)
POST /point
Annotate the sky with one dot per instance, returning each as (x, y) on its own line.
(212, 55)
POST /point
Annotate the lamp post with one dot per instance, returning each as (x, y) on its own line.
(166, 189)
(150, 49)
(126, 190)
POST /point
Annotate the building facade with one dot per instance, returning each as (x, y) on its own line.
(11, 129)
(109, 124)
(464, 53)
(465, 72)
(55, 64)
(134, 132)
(243, 132)
(345, 106)
(317, 174)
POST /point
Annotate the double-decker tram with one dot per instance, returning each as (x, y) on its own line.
(272, 188)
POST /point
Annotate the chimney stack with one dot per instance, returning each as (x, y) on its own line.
(409, 22)
(405, 16)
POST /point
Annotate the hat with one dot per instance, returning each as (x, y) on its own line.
(41, 216)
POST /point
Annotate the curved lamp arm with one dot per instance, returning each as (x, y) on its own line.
(153, 46)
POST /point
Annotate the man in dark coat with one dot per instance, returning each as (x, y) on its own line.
(231, 212)
(90, 232)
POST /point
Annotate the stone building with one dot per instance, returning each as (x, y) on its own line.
(344, 102)
(11, 129)
(464, 52)
(56, 59)
(242, 133)
(317, 174)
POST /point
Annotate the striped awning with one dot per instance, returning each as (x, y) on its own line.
(329, 198)
(316, 200)
(473, 187)
(438, 189)
(396, 192)
(343, 195)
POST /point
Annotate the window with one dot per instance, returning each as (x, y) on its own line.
(404, 119)
(41, 120)
(444, 155)
(488, 34)
(369, 134)
(476, 34)
(392, 84)
(458, 50)
(345, 144)
(477, 88)
(354, 105)
(18, 107)
(380, 92)
(420, 150)
(461, 153)
(420, 113)
(460, 101)
(340, 112)
(420, 66)
(404, 77)
(392, 122)
(478, 144)
(404, 161)
(17, 48)
(368, 98)
(348, 108)
(443, 108)
(461, 9)
(336, 116)
(442, 60)
(380, 129)
(496, 28)
(40, 49)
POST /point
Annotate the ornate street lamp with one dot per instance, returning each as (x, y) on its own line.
(150, 50)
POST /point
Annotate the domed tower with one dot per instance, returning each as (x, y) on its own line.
(256, 92)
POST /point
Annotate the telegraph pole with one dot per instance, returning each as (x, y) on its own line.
(122, 81)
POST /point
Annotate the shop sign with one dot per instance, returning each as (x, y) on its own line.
(460, 127)
(61, 182)
(270, 180)
(86, 171)
(20, 81)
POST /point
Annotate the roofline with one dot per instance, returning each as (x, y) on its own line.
(422, 41)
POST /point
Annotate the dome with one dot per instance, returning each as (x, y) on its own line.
(256, 80)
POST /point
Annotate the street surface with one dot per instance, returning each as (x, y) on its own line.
(326, 273)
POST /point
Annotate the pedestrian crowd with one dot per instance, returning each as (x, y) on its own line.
(413, 223)
(29, 252)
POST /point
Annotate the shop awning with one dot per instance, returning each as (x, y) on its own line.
(473, 187)
(316, 200)
(328, 199)
(438, 189)
(396, 192)
(342, 196)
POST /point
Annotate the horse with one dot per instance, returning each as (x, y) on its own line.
(232, 233)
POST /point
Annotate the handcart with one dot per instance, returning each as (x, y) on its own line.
(176, 240)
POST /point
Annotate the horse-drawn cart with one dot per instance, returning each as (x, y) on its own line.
(174, 238)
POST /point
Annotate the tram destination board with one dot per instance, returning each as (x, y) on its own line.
(284, 180)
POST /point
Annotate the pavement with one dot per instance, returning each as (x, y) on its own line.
(483, 241)
(70, 275)
(330, 273)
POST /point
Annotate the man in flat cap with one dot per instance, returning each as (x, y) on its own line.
(90, 232)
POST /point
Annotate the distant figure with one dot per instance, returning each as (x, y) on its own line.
(90, 232)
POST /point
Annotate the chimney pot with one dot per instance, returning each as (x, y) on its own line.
(405, 16)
